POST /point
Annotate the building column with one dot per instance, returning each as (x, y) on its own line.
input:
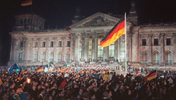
(116, 50)
(149, 43)
(64, 54)
(174, 46)
(86, 50)
(55, 60)
(73, 47)
(12, 49)
(94, 47)
(83, 47)
(162, 51)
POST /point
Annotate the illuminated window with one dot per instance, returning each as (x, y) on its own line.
(43, 57)
(111, 52)
(52, 57)
(144, 57)
(156, 58)
(60, 57)
(168, 57)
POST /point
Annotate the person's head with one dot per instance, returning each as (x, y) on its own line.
(5, 83)
(129, 92)
(42, 91)
(5, 95)
(85, 96)
(12, 92)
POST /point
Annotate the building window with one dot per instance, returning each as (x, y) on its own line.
(20, 57)
(60, 57)
(111, 52)
(51, 44)
(100, 51)
(36, 44)
(156, 58)
(36, 57)
(168, 41)
(68, 43)
(60, 43)
(43, 57)
(143, 42)
(155, 42)
(168, 57)
(43, 45)
(144, 57)
(21, 44)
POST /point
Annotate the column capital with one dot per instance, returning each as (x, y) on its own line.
(94, 35)
(150, 35)
(162, 34)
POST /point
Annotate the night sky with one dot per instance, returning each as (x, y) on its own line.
(59, 13)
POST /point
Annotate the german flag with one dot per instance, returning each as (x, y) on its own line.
(94, 71)
(58, 69)
(117, 31)
(103, 71)
(39, 69)
(63, 69)
(25, 71)
(139, 72)
(26, 3)
(66, 70)
(152, 75)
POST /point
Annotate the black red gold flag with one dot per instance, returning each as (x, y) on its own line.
(117, 31)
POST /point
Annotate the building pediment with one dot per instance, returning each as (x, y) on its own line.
(96, 20)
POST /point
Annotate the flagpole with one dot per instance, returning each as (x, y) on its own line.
(125, 47)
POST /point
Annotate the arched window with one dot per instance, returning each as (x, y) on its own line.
(144, 57)
(21, 44)
(168, 56)
(156, 58)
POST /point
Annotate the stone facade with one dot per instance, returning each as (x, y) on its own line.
(147, 45)
(36, 48)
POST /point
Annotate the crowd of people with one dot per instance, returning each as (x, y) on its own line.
(85, 86)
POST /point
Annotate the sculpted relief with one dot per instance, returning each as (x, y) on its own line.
(98, 21)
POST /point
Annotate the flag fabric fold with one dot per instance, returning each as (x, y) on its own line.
(152, 75)
(63, 84)
(25, 71)
(15, 66)
(26, 3)
(1, 81)
(39, 69)
(117, 31)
